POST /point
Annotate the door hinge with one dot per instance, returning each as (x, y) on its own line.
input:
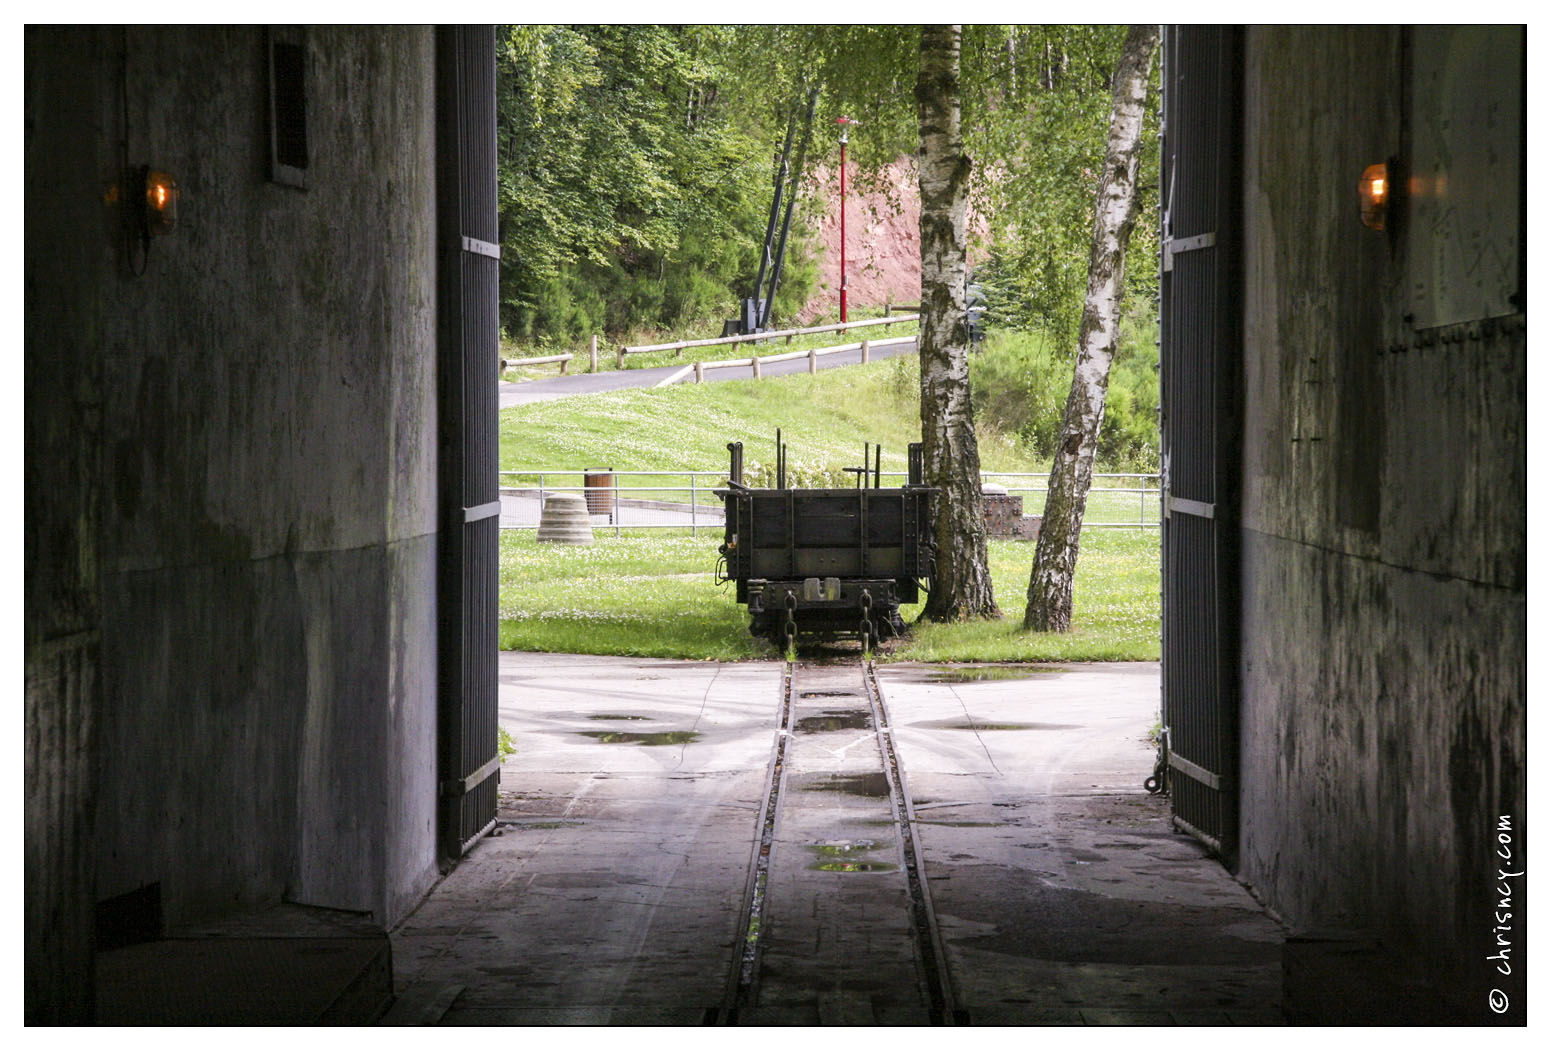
(473, 781)
(478, 247)
(1175, 245)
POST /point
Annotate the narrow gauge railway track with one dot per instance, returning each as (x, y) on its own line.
(837, 925)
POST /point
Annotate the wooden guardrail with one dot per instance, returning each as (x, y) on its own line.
(548, 359)
(812, 354)
(787, 333)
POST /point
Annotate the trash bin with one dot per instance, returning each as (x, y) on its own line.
(600, 493)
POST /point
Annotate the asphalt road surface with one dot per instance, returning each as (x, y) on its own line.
(596, 382)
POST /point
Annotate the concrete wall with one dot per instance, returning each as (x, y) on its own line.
(1383, 663)
(255, 420)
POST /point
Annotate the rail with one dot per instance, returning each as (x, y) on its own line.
(669, 499)
(756, 363)
(787, 333)
(548, 359)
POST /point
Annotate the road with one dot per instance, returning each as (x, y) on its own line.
(520, 509)
(511, 394)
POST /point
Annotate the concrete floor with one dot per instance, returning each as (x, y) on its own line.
(612, 892)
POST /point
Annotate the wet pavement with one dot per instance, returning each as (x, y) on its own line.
(615, 889)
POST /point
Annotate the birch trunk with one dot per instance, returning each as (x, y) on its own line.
(961, 579)
(1055, 559)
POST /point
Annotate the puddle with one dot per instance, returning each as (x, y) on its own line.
(1009, 726)
(991, 673)
(853, 866)
(959, 824)
(837, 857)
(856, 720)
(967, 724)
(875, 785)
(650, 740)
(844, 848)
(621, 718)
(829, 693)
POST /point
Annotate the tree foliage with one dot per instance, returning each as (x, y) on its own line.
(1035, 102)
(630, 191)
(635, 163)
(1047, 92)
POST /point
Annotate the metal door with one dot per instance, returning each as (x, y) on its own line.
(468, 256)
(1200, 380)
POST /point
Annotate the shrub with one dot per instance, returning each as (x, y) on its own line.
(1019, 384)
(1020, 381)
(800, 474)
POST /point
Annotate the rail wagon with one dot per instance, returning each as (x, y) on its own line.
(826, 562)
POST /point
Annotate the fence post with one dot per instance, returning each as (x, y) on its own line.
(691, 503)
(563, 364)
(866, 346)
(620, 363)
(592, 355)
(788, 341)
(813, 360)
(886, 307)
(755, 361)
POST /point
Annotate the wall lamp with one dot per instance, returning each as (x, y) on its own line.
(152, 200)
(1373, 194)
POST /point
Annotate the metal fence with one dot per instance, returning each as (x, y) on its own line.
(1115, 501)
(663, 499)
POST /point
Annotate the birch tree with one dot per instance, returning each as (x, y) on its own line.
(961, 579)
(1071, 473)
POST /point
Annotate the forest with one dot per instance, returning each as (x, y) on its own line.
(637, 165)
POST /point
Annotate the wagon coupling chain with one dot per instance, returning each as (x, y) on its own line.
(789, 628)
(867, 628)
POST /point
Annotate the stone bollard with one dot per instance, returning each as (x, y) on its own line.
(565, 520)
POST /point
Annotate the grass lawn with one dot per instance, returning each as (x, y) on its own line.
(652, 595)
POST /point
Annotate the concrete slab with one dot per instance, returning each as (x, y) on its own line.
(1057, 881)
(612, 893)
(283, 965)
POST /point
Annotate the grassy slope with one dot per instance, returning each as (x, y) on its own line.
(824, 418)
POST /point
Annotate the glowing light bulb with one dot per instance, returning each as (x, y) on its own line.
(1373, 195)
(161, 197)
